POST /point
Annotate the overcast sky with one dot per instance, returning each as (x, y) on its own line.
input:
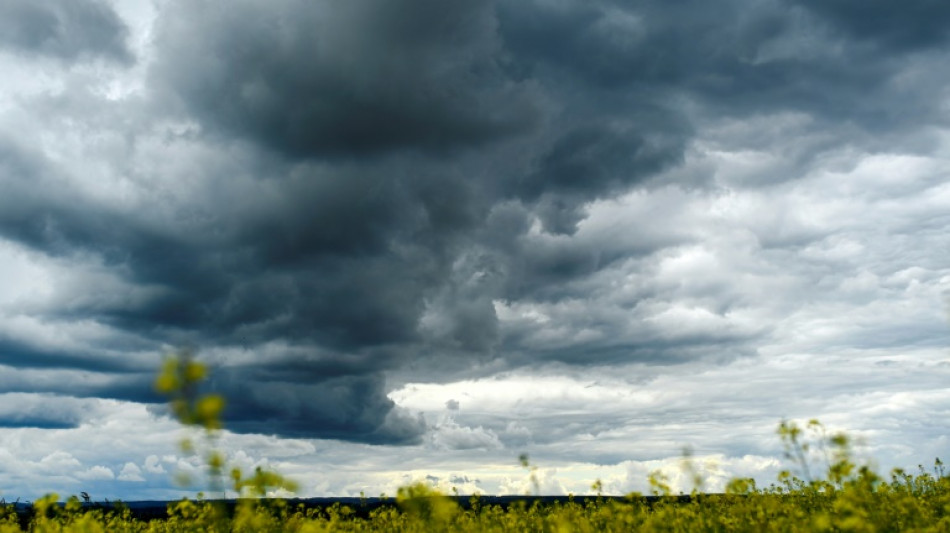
(415, 239)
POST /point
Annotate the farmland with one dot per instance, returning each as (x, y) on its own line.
(849, 499)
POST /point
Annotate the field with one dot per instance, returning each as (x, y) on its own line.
(858, 501)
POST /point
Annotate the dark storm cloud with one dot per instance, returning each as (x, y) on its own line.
(916, 24)
(66, 30)
(597, 157)
(317, 266)
(345, 79)
(736, 57)
(591, 160)
(319, 254)
(361, 182)
(266, 399)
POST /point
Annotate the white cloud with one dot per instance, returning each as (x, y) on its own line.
(59, 461)
(130, 472)
(153, 465)
(449, 435)
(97, 472)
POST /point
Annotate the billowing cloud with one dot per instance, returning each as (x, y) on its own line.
(449, 435)
(131, 472)
(97, 472)
(377, 76)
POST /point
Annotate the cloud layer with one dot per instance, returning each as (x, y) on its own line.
(335, 201)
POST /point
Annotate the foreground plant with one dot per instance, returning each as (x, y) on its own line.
(181, 379)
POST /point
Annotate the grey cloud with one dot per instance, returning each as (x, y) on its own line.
(78, 373)
(45, 411)
(461, 316)
(20, 420)
(597, 156)
(911, 25)
(616, 45)
(24, 355)
(66, 30)
(591, 161)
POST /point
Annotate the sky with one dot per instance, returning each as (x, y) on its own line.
(415, 239)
